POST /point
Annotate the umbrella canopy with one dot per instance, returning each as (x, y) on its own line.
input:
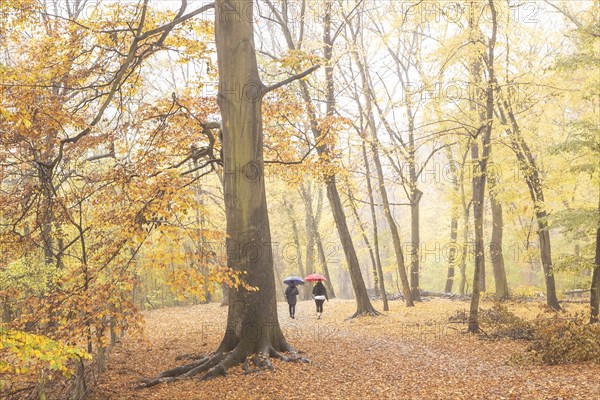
(293, 279)
(315, 277)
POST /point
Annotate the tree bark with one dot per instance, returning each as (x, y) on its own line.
(305, 295)
(364, 236)
(393, 229)
(536, 191)
(313, 230)
(480, 161)
(595, 287)
(452, 253)
(496, 254)
(362, 299)
(380, 279)
(392, 224)
(415, 239)
(253, 332)
(465, 241)
(306, 194)
(248, 233)
(363, 303)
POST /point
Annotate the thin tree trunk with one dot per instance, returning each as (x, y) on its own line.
(391, 223)
(311, 226)
(323, 261)
(393, 229)
(532, 178)
(363, 303)
(364, 236)
(415, 198)
(452, 253)
(465, 240)
(478, 197)
(319, 242)
(310, 237)
(380, 279)
(360, 291)
(480, 163)
(279, 285)
(496, 253)
(463, 260)
(595, 287)
(415, 240)
(289, 209)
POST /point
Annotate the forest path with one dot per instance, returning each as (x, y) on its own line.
(407, 354)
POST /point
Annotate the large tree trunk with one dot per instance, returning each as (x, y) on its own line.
(393, 229)
(248, 233)
(252, 324)
(595, 288)
(496, 253)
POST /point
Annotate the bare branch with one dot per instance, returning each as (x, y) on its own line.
(290, 79)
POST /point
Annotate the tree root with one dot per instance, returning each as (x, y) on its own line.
(217, 364)
(191, 356)
(370, 313)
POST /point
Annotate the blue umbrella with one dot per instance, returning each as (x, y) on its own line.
(293, 279)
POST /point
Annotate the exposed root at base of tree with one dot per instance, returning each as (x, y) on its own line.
(217, 364)
(370, 313)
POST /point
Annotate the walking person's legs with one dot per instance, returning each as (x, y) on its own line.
(319, 307)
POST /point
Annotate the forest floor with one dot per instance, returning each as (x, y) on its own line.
(411, 353)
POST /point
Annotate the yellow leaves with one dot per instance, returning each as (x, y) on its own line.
(24, 353)
(298, 60)
(27, 123)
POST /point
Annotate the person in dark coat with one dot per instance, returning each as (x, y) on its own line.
(290, 295)
(320, 294)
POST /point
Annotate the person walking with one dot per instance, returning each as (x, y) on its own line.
(320, 295)
(291, 294)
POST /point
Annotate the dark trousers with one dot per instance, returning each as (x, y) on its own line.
(292, 309)
(319, 305)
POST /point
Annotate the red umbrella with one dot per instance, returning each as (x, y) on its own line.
(315, 277)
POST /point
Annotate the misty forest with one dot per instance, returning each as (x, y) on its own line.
(299, 199)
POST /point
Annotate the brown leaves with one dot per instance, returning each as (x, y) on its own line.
(408, 354)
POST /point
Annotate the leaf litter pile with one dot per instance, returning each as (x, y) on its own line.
(410, 353)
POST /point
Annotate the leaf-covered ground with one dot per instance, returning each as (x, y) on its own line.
(408, 354)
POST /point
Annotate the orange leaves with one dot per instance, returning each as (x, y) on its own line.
(404, 355)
